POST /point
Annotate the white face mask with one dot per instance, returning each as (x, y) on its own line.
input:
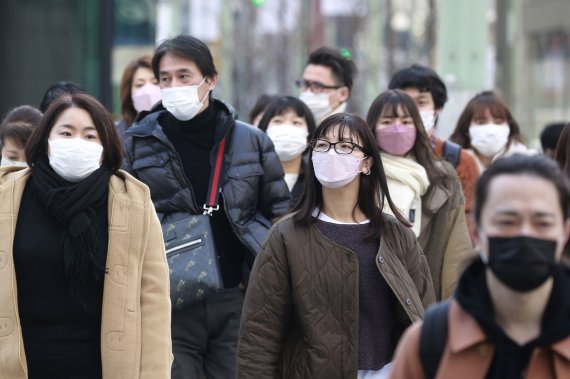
(318, 103)
(183, 102)
(489, 139)
(335, 170)
(428, 119)
(9, 162)
(145, 97)
(290, 141)
(74, 159)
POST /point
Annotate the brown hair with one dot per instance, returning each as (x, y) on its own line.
(476, 107)
(19, 124)
(128, 111)
(37, 145)
(387, 104)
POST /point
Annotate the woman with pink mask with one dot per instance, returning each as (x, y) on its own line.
(337, 280)
(425, 189)
(139, 91)
(488, 130)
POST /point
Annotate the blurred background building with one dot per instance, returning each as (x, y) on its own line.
(519, 47)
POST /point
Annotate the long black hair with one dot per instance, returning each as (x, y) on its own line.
(373, 190)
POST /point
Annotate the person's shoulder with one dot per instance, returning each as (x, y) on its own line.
(519, 148)
(468, 163)
(447, 171)
(406, 363)
(12, 174)
(145, 124)
(392, 224)
(123, 183)
(285, 224)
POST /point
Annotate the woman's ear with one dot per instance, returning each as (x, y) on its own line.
(366, 168)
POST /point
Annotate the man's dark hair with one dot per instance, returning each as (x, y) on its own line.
(537, 165)
(57, 90)
(343, 69)
(185, 47)
(424, 79)
(550, 135)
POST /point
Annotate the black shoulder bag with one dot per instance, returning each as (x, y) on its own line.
(433, 338)
(190, 249)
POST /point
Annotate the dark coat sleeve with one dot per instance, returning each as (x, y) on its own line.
(274, 195)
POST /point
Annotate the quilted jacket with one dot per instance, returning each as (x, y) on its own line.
(301, 313)
(253, 188)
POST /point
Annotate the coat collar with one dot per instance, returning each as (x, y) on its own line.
(464, 332)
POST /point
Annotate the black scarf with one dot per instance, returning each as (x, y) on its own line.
(73, 206)
(510, 358)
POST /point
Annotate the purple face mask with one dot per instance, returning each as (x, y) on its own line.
(396, 139)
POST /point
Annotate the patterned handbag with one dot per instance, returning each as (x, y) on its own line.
(190, 249)
(192, 260)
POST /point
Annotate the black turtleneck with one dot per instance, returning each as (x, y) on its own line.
(511, 359)
(193, 140)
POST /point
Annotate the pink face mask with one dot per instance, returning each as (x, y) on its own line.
(146, 97)
(396, 139)
(335, 170)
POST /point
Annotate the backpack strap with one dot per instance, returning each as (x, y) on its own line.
(433, 337)
(452, 152)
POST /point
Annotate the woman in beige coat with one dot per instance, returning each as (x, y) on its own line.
(424, 188)
(83, 275)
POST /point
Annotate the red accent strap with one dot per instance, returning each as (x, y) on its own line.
(214, 189)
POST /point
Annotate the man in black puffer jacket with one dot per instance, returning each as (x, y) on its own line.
(171, 149)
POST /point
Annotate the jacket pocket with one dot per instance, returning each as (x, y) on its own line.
(245, 171)
(154, 160)
(156, 171)
(244, 181)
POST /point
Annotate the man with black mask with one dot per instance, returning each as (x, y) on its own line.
(510, 315)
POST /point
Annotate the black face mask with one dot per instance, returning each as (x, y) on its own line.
(522, 263)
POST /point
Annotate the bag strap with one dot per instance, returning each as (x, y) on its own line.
(452, 152)
(433, 338)
(214, 186)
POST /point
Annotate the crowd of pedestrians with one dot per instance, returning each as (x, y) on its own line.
(181, 242)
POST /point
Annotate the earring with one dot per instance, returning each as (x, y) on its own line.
(367, 173)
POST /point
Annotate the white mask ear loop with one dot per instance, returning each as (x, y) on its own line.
(207, 93)
(478, 248)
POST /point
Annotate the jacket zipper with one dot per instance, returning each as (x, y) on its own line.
(187, 244)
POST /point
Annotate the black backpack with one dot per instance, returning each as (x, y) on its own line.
(433, 338)
(452, 152)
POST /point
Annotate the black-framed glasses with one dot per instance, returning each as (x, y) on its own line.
(341, 147)
(315, 87)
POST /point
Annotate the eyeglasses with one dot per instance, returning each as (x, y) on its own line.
(315, 87)
(341, 147)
